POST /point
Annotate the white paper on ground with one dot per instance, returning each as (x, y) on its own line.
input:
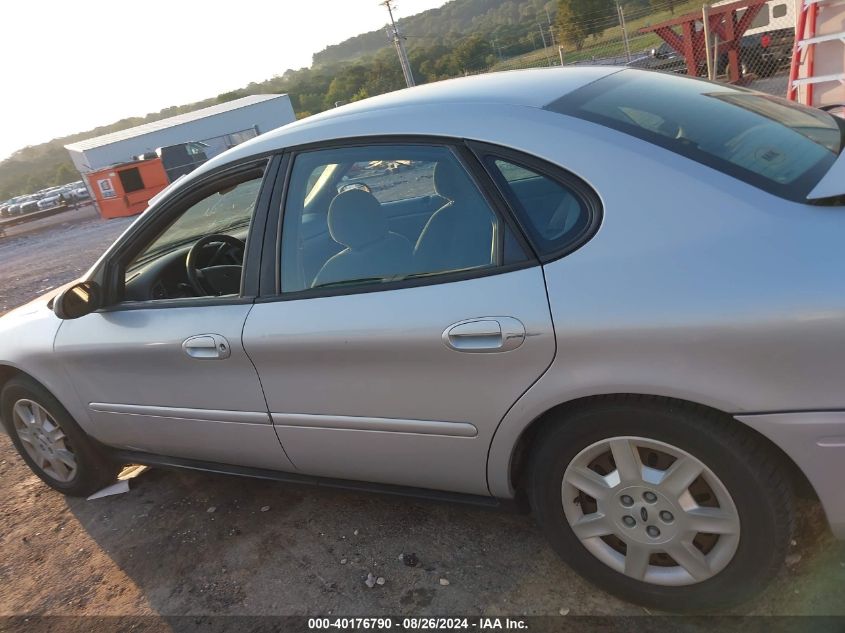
(115, 489)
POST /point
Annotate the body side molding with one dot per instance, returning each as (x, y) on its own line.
(361, 423)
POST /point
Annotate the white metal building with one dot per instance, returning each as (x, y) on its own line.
(225, 124)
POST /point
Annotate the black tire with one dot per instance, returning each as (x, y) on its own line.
(748, 467)
(94, 470)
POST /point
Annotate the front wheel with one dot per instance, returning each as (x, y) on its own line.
(50, 442)
(663, 504)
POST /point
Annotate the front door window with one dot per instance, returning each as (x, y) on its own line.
(200, 252)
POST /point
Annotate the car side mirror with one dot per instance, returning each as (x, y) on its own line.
(78, 300)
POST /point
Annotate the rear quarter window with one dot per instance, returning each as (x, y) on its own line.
(556, 210)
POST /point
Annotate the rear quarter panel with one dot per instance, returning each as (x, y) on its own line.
(697, 287)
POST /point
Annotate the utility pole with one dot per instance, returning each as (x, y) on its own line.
(621, 15)
(398, 42)
(545, 48)
(708, 42)
(551, 29)
(497, 48)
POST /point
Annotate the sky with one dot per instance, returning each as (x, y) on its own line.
(69, 66)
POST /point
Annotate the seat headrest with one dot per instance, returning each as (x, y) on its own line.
(449, 181)
(356, 219)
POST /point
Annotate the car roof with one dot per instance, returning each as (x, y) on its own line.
(532, 88)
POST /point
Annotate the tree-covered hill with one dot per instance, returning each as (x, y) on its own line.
(38, 166)
(462, 36)
(514, 21)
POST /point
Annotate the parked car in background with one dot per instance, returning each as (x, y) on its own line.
(642, 338)
(179, 160)
(765, 47)
(45, 199)
(764, 54)
(81, 193)
(663, 58)
(29, 206)
(759, 54)
(48, 202)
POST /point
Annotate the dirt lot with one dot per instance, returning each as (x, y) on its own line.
(40, 255)
(191, 543)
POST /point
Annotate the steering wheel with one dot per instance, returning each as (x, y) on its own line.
(213, 278)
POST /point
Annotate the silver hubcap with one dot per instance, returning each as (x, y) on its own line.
(650, 511)
(44, 440)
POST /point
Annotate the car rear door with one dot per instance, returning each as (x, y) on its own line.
(397, 370)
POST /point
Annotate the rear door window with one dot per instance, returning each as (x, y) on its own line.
(366, 216)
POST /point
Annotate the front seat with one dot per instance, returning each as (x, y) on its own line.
(460, 233)
(356, 221)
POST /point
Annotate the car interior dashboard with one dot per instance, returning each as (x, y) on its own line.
(167, 277)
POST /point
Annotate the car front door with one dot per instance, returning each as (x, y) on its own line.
(387, 356)
(161, 368)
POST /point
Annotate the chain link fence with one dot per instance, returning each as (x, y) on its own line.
(763, 55)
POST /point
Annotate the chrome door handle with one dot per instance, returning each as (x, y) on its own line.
(486, 334)
(207, 347)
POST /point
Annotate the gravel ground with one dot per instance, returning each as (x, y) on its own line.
(186, 543)
(40, 255)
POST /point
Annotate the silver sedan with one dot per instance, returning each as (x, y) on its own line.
(614, 294)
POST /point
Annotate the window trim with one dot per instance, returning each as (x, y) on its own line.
(270, 289)
(109, 274)
(485, 152)
(496, 200)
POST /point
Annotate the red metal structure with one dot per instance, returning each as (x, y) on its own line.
(722, 20)
(817, 73)
(807, 18)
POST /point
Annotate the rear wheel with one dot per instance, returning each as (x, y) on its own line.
(50, 441)
(663, 504)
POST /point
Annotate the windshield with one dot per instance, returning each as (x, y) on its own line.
(768, 142)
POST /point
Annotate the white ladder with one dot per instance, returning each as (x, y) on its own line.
(804, 52)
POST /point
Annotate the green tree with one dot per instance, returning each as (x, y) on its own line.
(347, 83)
(65, 174)
(660, 5)
(579, 19)
(34, 183)
(570, 27)
(445, 42)
(472, 53)
(229, 96)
